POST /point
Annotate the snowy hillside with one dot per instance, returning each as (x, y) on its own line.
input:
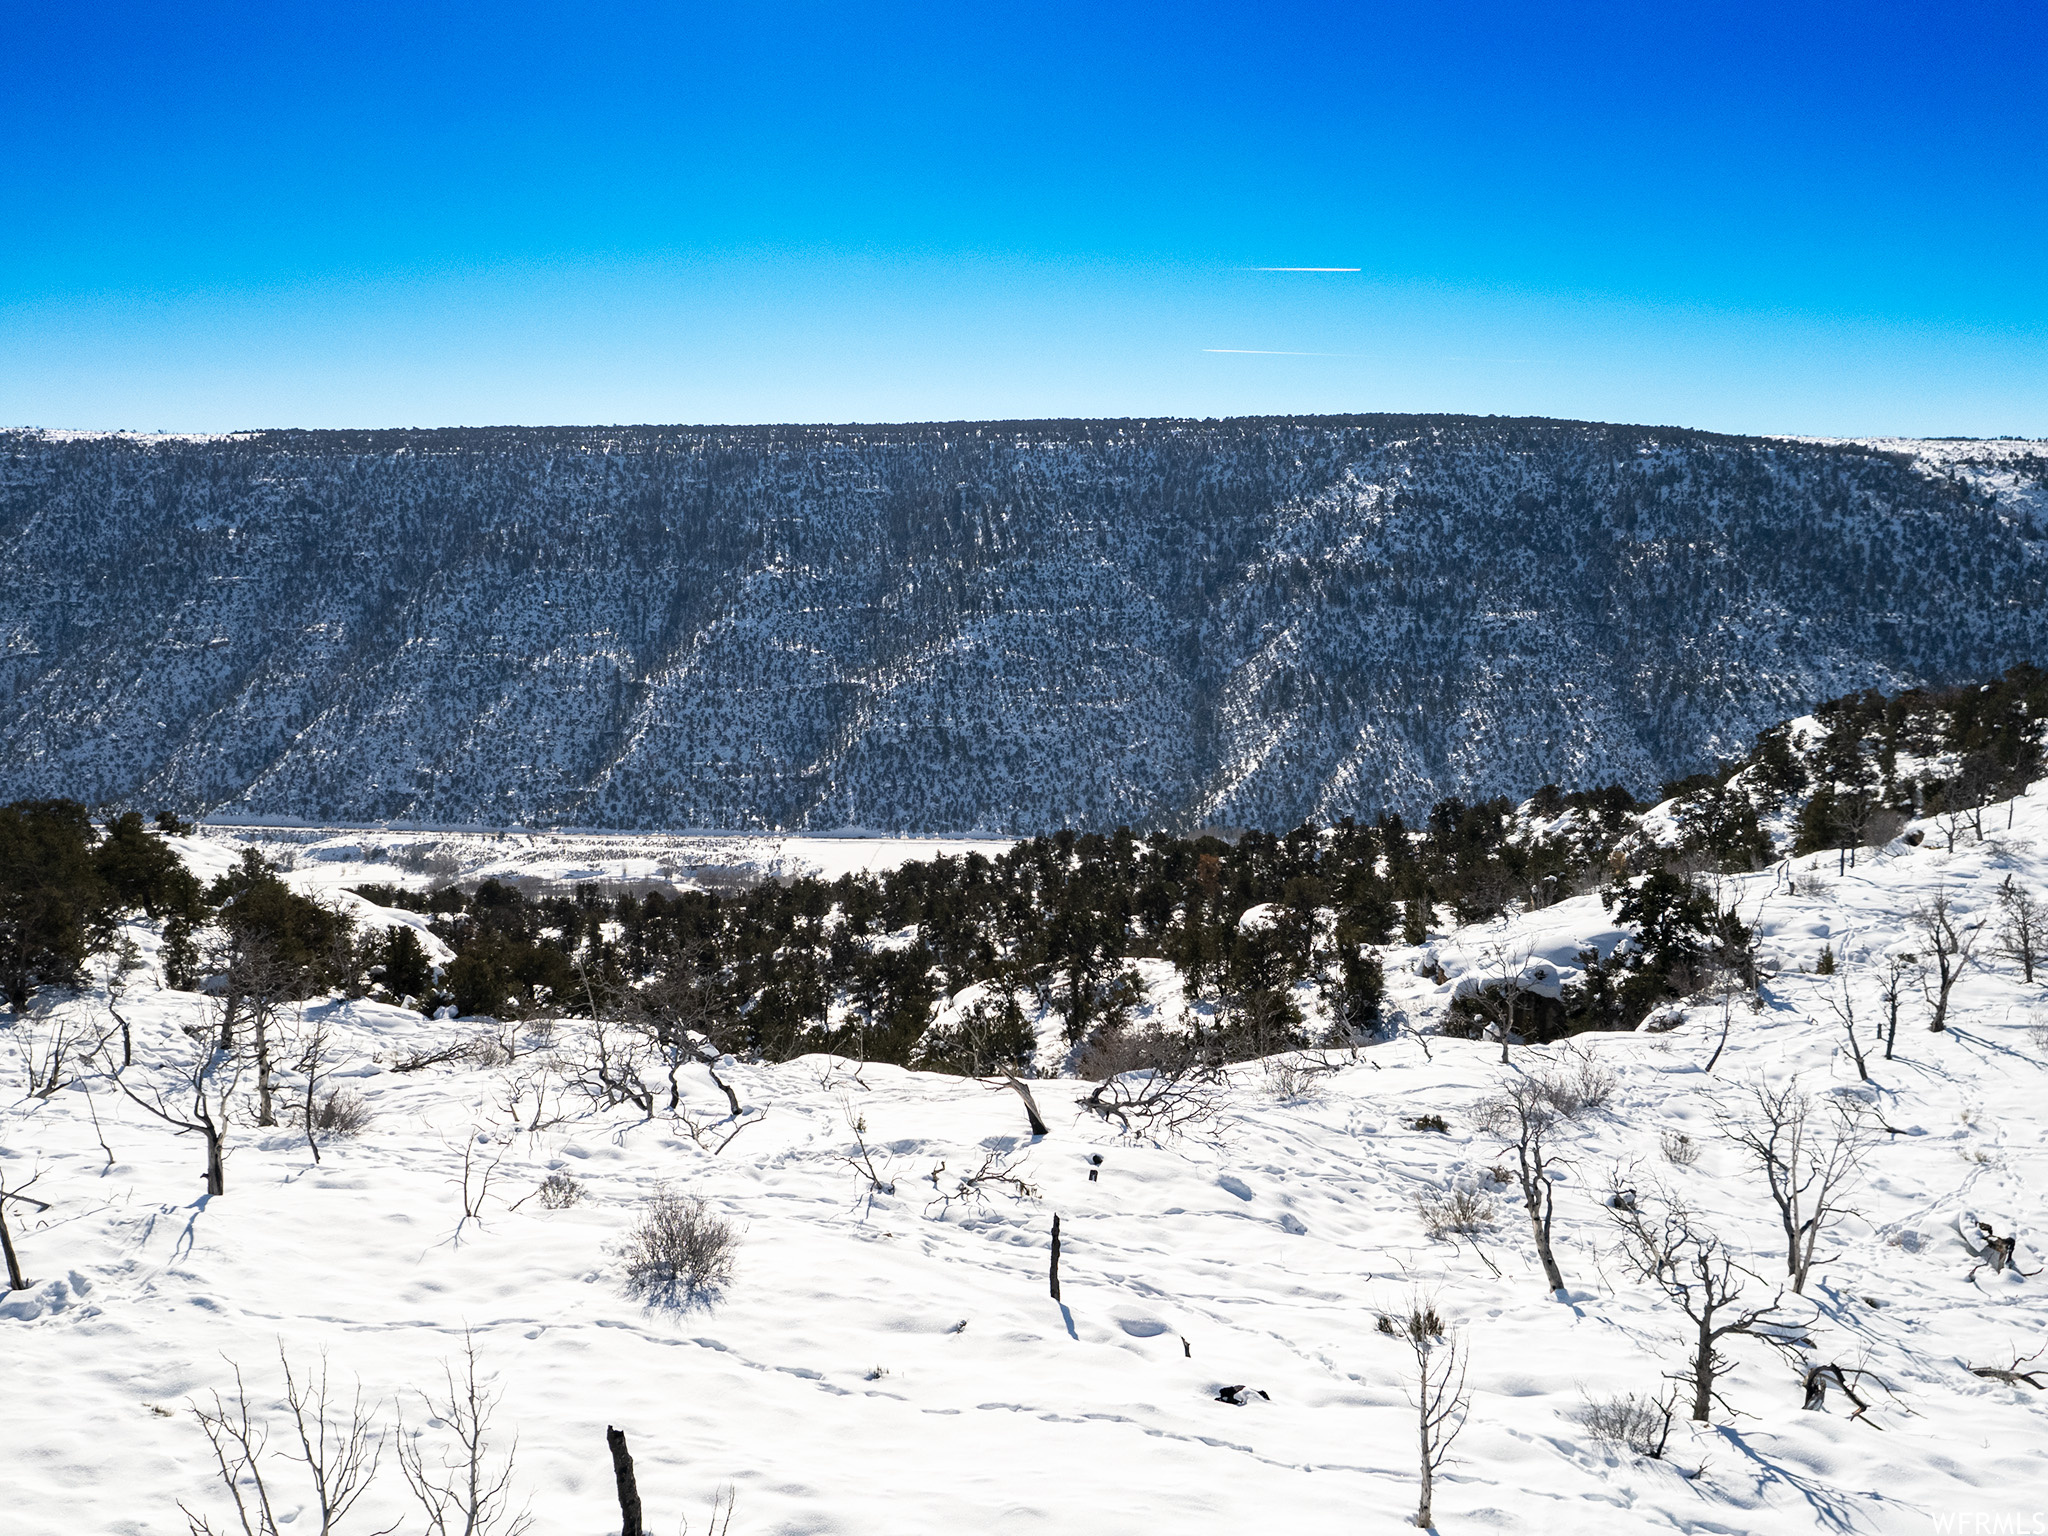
(886, 1359)
(999, 627)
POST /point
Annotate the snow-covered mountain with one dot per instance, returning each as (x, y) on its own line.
(1002, 627)
(886, 1358)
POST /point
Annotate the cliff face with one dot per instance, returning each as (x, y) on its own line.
(1008, 626)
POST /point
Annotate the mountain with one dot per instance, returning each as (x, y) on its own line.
(1001, 626)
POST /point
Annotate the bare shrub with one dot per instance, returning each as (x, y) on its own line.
(465, 1488)
(491, 1051)
(559, 1191)
(428, 859)
(1577, 1084)
(1444, 1211)
(1000, 1172)
(1679, 1148)
(1119, 1048)
(341, 1112)
(340, 1446)
(1159, 1104)
(1152, 1083)
(681, 1249)
(1420, 1321)
(480, 1152)
(57, 1045)
(442, 1053)
(1293, 1080)
(1632, 1422)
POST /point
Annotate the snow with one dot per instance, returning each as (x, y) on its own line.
(877, 1365)
(333, 858)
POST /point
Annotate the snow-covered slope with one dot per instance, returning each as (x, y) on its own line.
(995, 626)
(879, 1364)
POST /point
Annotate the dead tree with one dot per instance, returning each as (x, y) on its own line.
(1726, 987)
(2012, 1375)
(1896, 970)
(1949, 945)
(677, 1016)
(710, 1055)
(1808, 1168)
(1700, 1277)
(1031, 1115)
(121, 962)
(1439, 1397)
(1815, 1388)
(207, 1078)
(18, 1194)
(312, 1045)
(257, 988)
(1500, 988)
(1166, 1099)
(1523, 1114)
(630, 1521)
(610, 1067)
(1996, 1253)
(466, 1490)
(1843, 1007)
(2021, 937)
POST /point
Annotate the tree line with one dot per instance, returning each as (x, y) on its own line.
(1275, 935)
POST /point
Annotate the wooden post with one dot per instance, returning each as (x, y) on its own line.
(1055, 1256)
(629, 1489)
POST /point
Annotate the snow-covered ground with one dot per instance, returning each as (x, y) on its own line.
(330, 858)
(881, 1365)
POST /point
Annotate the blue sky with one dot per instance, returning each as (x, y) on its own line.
(1828, 219)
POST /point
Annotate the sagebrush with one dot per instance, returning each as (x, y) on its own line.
(1633, 1422)
(681, 1249)
(1445, 1211)
(341, 1113)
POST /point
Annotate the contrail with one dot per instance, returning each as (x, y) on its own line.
(1307, 269)
(1265, 352)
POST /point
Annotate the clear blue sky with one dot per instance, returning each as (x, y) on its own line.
(1792, 217)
